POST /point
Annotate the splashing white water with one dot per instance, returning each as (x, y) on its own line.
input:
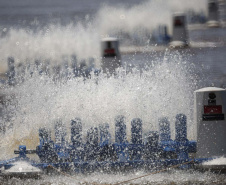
(50, 44)
(165, 89)
(54, 42)
(146, 16)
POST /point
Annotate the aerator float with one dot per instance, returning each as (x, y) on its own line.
(155, 150)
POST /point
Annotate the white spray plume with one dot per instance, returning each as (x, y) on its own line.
(56, 41)
(165, 89)
(50, 44)
(147, 15)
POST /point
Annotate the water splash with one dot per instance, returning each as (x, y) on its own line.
(144, 17)
(50, 45)
(163, 89)
(53, 42)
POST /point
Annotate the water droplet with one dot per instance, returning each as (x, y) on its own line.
(122, 16)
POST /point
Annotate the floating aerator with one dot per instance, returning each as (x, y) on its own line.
(146, 151)
(99, 152)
